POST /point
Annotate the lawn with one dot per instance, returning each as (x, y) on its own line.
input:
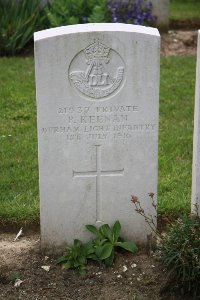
(19, 199)
(184, 10)
(18, 167)
(176, 133)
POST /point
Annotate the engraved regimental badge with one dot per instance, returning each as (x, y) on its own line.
(97, 71)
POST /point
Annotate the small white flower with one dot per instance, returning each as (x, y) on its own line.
(133, 266)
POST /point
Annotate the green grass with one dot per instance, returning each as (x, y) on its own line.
(19, 198)
(184, 9)
(18, 166)
(176, 133)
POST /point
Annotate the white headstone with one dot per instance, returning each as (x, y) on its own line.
(161, 11)
(97, 101)
(196, 139)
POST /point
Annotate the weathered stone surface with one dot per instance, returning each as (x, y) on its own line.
(161, 11)
(97, 101)
(196, 140)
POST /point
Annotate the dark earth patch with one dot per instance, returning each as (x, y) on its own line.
(133, 277)
(143, 278)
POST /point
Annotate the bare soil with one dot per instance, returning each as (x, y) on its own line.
(132, 277)
(179, 43)
(142, 280)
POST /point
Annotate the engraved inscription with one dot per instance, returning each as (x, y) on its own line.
(103, 71)
(98, 109)
(98, 173)
(99, 122)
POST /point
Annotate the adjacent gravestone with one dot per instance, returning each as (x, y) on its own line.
(97, 102)
(161, 11)
(196, 140)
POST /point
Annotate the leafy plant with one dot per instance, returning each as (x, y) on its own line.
(180, 253)
(69, 12)
(100, 13)
(101, 248)
(14, 276)
(75, 257)
(107, 239)
(19, 19)
(131, 11)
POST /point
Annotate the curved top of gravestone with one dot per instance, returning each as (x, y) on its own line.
(95, 27)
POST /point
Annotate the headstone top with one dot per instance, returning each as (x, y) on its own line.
(102, 27)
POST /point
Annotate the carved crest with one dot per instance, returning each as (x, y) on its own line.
(96, 81)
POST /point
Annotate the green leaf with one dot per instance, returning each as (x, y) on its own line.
(75, 264)
(103, 242)
(89, 248)
(93, 229)
(106, 232)
(82, 260)
(66, 265)
(105, 251)
(116, 230)
(77, 243)
(61, 259)
(19, 19)
(93, 257)
(82, 270)
(98, 251)
(73, 20)
(129, 246)
(98, 14)
(110, 259)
